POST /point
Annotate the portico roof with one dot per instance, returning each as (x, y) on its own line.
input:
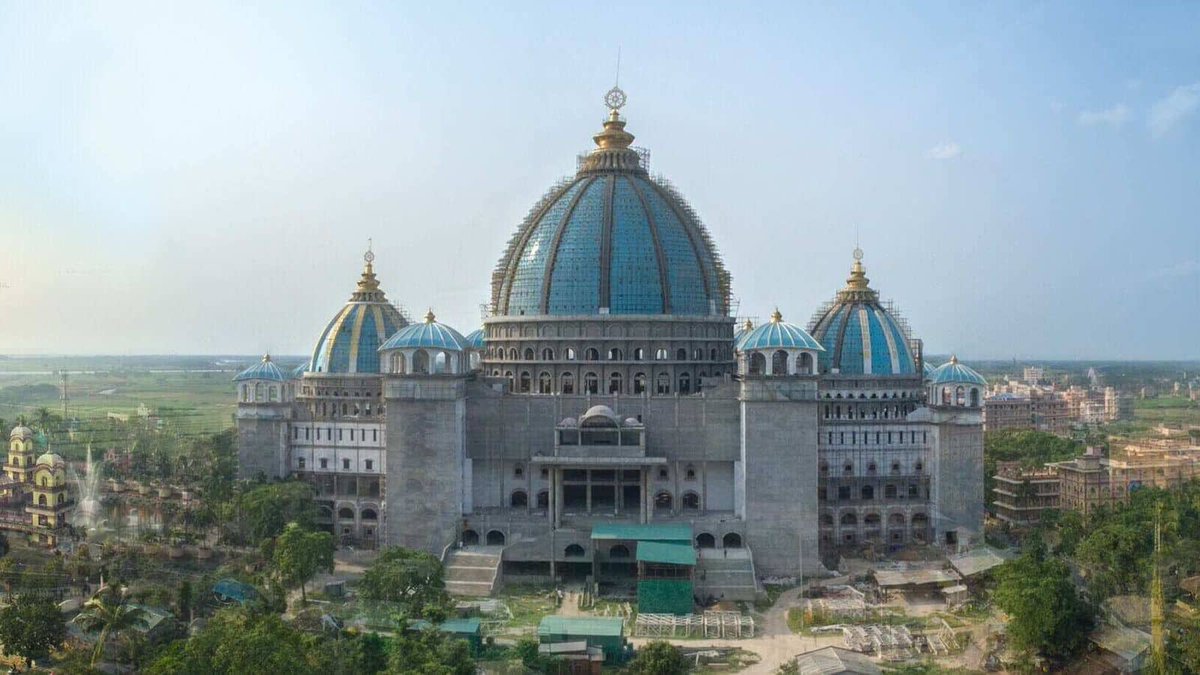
(643, 532)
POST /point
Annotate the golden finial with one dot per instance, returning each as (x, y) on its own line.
(749, 325)
(953, 359)
(776, 317)
(429, 317)
(368, 285)
(857, 284)
(267, 357)
(612, 152)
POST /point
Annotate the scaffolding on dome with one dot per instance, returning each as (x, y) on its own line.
(507, 259)
(724, 280)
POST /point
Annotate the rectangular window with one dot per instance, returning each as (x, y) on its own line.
(351, 434)
(324, 463)
(370, 464)
(306, 433)
(374, 434)
(296, 433)
(339, 434)
(843, 492)
(346, 464)
(300, 462)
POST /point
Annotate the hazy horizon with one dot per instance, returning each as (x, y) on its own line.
(202, 180)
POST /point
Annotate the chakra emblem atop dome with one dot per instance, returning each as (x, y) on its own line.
(615, 98)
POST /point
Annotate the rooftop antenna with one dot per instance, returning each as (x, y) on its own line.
(617, 82)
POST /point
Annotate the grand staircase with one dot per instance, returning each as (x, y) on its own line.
(473, 571)
(725, 574)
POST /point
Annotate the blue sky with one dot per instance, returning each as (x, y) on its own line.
(1024, 177)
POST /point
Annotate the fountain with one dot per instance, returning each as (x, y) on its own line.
(87, 515)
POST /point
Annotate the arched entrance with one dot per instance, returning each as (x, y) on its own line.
(470, 538)
(495, 538)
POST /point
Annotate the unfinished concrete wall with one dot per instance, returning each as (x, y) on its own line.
(426, 486)
(262, 441)
(957, 488)
(779, 456)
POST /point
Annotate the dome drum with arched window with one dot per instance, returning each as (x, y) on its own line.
(426, 348)
(777, 348)
(956, 385)
(263, 382)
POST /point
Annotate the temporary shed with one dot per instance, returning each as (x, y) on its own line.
(665, 571)
(977, 561)
(890, 579)
(469, 629)
(836, 661)
(607, 633)
(232, 590)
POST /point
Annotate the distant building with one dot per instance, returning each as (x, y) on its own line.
(1007, 411)
(1021, 495)
(1091, 481)
(1033, 374)
(1117, 406)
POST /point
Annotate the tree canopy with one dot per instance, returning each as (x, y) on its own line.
(1046, 613)
(411, 579)
(659, 658)
(264, 511)
(32, 626)
(300, 554)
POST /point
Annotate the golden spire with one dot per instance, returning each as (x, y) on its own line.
(429, 316)
(776, 317)
(368, 285)
(748, 326)
(857, 284)
(267, 357)
(954, 359)
(612, 151)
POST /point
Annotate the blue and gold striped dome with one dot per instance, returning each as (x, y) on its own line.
(776, 334)
(429, 334)
(861, 337)
(611, 241)
(476, 339)
(953, 372)
(350, 343)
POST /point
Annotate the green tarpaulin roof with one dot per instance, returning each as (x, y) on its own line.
(578, 626)
(663, 552)
(643, 532)
(468, 626)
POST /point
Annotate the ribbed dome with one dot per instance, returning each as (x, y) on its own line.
(777, 334)
(299, 371)
(953, 372)
(429, 334)
(350, 343)
(475, 339)
(263, 370)
(860, 335)
(50, 459)
(611, 241)
(21, 432)
(929, 368)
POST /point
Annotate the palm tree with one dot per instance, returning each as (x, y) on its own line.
(108, 612)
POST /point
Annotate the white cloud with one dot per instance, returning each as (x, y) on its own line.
(1113, 117)
(942, 151)
(1166, 113)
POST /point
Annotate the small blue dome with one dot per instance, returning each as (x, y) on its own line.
(475, 339)
(263, 370)
(954, 372)
(860, 335)
(777, 334)
(428, 334)
(299, 371)
(611, 241)
(741, 332)
(350, 342)
(929, 368)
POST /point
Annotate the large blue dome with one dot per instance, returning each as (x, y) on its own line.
(860, 335)
(351, 340)
(611, 241)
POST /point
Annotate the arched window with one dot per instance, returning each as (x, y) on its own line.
(872, 520)
(369, 514)
(42, 499)
(849, 519)
(848, 467)
(960, 396)
(470, 538)
(592, 354)
(614, 383)
(614, 354)
(495, 538)
(689, 472)
(544, 383)
(547, 354)
(512, 354)
(681, 354)
(712, 354)
(697, 354)
(868, 492)
(568, 383)
(543, 499)
(974, 397)
(245, 393)
(591, 383)
(618, 551)
(512, 383)
(779, 362)
(441, 363)
(346, 513)
(705, 540)
(570, 353)
(662, 500)
(518, 499)
(526, 382)
(806, 364)
(826, 520)
(639, 354)
(421, 362)
(259, 393)
(945, 395)
(663, 384)
(691, 501)
(528, 353)
(685, 383)
(639, 383)
(758, 363)
(896, 519)
(732, 540)
(660, 354)
(573, 551)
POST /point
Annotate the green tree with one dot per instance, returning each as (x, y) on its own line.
(658, 658)
(300, 554)
(183, 600)
(526, 649)
(429, 652)
(236, 642)
(32, 626)
(1046, 614)
(109, 613)
(412, 579)
(262, 512)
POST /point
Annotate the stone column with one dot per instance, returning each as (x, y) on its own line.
(558, 497)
